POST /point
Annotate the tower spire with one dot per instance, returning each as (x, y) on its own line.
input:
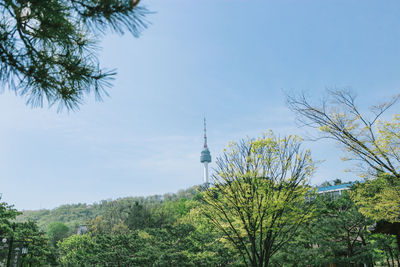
(205, 134)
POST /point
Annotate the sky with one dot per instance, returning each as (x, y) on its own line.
(231, 61)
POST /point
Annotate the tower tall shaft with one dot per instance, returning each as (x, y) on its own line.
(205, 174)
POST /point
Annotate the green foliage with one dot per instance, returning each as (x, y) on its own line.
(175, 240)
(105, 250)
(184, 245)
(257, 200)
(113, 211)
(47, 48)
(338, 234)
(177, 245)
(56, 231)
(7, 214)
(385, 249)
(71, 215)
(379, 198)
(139, 217)
(18, 235)
(39, 251)
(175, 232)
(77, 250)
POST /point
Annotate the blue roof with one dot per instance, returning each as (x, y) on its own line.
(334, 187)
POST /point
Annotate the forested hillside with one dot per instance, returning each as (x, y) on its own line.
(173, 230)
(74, 215)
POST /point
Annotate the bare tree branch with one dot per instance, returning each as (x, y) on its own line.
(338, 118)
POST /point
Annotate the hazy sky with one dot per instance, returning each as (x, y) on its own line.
(228, 60)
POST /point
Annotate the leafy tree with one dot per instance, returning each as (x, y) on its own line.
(338, 234)
(105, 250)
(7, 214)
(39, 251)
(113, 218)
(47, 48)
(139, 217)
(99, 226)
(119, 250)
(208, 246)
(25, 234)
(56, 231)
(7, 227)
(120, 229)
(78, 250)
(172, 244)
(385, 247)
(379, 198)
(257, 199)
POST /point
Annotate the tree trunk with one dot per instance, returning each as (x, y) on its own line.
(398, 240)
(370, 262)
(391, 255)
(387, 260)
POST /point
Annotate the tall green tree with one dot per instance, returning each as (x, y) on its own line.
(257, 196)
(338, 234)
(7, 227)
(379, 198)
(7, 215)
(39, 253)
(27, 235)
(48, 48)
(385, 246)
(56, 231)
(139, 217)
(78, 250)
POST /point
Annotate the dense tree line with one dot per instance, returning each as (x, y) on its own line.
(74, 215)
(168, 234)
(338, 234)
(176, 232)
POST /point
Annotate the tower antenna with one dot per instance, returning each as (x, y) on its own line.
(205, 134)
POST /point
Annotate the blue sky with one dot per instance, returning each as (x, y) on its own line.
(228, 60)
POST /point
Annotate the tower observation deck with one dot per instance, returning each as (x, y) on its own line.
(205, 156)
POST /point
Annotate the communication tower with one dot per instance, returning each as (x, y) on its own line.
(205, 157)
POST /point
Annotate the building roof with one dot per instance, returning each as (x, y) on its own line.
(334, 187)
